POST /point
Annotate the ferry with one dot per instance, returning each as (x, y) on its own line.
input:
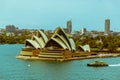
(98, 64)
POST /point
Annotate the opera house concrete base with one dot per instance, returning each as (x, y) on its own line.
(57, 54)
(77, 56)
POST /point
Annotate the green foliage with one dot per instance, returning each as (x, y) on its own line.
(14, 39)
(111, 43)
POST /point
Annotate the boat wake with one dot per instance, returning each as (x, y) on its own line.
(114, 65)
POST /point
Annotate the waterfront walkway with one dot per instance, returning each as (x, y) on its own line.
(73, 58)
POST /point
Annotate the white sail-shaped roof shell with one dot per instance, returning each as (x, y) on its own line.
(86, 48)
(61, 32)
(32, 43)
(38, 41)
(64, 41)
(61, 39)
(60, 43)
(42, 35)
(72, 44)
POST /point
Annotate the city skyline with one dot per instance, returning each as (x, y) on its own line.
(45, 14)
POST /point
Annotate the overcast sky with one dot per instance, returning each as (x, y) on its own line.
(48, 14)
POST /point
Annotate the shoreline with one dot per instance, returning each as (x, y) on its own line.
(69, 59)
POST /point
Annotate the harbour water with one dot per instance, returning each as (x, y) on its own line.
(16, 69)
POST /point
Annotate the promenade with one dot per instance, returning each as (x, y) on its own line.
(67, 59)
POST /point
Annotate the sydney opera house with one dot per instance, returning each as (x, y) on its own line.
(59, 46)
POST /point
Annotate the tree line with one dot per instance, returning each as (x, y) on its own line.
(100, 43)
(14, 39)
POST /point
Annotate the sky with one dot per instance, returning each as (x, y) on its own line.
(49, 14)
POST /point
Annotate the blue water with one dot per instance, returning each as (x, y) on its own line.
(16, 69)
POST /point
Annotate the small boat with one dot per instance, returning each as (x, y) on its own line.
(98, 64)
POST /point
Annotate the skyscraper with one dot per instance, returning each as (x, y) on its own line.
(107, 26)
(69, 26)
(10, 28)
(83, 31)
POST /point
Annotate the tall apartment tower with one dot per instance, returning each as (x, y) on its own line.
(69, 26)
(83, 30)
(10, 28)
(107, 26)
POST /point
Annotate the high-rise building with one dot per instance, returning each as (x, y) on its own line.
(107, 26)
(10, 28)
(69, 26)
(83, 30)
